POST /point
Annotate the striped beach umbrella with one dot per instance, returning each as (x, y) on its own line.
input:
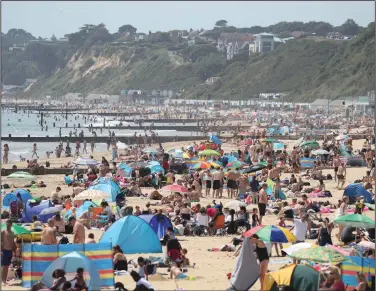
(272, 233)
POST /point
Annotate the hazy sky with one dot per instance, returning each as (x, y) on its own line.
(48, 17)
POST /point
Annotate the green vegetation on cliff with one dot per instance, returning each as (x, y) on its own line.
(95, 61)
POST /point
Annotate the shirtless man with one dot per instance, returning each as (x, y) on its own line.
(231, 183)
(341, 175)
(217, 181)
(336, 164)
(78, 231)
(274, 173)
(242, 184)
(263, 201)
(48, 236)
(7, 248)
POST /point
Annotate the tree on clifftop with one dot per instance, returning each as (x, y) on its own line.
(221, 23)
(127, 28)
(350, 27)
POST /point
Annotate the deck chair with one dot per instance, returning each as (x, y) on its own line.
(94, 215)
(219, 226)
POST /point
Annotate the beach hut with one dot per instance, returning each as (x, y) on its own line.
(12, 196)
(69, 263)
(357, 190)
(32, 209)
(133, 235)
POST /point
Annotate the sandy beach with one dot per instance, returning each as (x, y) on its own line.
(211, 268)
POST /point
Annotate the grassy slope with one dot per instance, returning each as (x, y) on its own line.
(306, 68)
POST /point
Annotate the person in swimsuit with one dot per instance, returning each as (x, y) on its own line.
(325, 232)
(262, 256)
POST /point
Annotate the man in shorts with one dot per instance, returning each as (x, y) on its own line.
(7, 248)
(336, 164)
(263, 201)
(231, 183)
(341, 175)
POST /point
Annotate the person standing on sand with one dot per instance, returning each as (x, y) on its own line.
(84, 150)
(78, 231)
(263, 201)
(34, 151)
(341, 175)
(336, 164)
(6, 154)
(92, 146)
(8, 247)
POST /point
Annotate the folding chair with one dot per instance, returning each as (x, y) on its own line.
(94, 215)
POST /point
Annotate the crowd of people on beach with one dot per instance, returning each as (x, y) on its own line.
(244, 186)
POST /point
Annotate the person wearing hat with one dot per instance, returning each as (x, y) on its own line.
(263, 201)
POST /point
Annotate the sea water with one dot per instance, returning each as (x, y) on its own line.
(24, 124)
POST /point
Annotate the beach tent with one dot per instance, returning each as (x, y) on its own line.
(107, 185)
(159, 223)
(133, 235)
(12, 196)
(127, 170)
(146, 217)
(156, 169)
(69, 263)
(214, 139)
(357, 190)
(32, 209)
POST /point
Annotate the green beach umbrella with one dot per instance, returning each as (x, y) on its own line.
(296, 277)
(16, 229)
(21, 176)
(310, 144)
(209, 153)
(319, 255)
(355, 220)
(270, 140)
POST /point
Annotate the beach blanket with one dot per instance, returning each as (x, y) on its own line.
(307, 162)
(37, 258)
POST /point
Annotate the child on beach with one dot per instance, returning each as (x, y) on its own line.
(176, 273)
(80, 280)
(185, 259)
(255, 217)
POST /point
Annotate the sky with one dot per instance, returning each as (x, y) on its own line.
(45, 18)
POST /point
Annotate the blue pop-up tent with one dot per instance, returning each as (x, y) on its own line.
(12, 196)
(69, 263)
(133, 235)
(32, 209)
(159, 223)
(215, 139)
(108, 186)
(357, 190)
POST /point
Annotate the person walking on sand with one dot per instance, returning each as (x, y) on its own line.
(341, 176)
(84, 150)
(336, 164)
(92, 146)
(34, 151)
(8, 247)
